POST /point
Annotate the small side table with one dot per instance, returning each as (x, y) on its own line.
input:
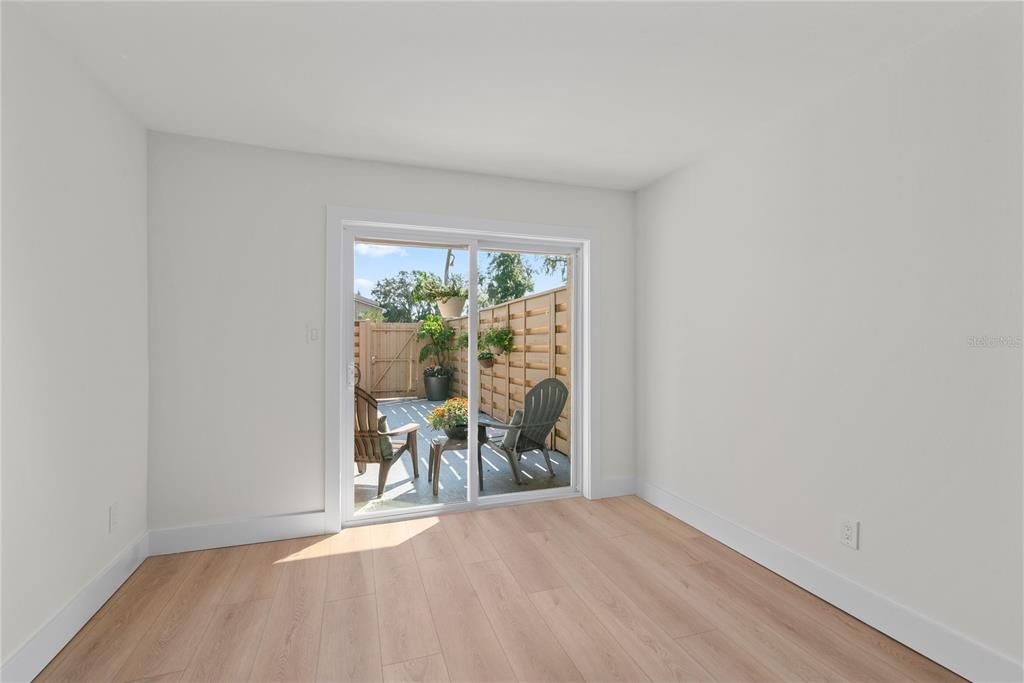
(440, 444)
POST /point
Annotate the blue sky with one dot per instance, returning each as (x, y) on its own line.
(375, 262)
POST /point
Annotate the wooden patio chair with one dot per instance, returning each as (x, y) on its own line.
(530, 425)
(374, 443)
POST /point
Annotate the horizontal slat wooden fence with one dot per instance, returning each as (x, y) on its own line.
(387, 355)
(540, 325)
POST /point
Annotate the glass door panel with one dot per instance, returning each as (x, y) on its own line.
(525, 362)
(410, 304)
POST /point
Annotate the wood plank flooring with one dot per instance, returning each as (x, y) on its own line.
(567, 590)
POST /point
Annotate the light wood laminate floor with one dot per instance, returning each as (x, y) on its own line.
(568, 590)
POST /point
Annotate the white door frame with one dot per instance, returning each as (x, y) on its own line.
(344, 225)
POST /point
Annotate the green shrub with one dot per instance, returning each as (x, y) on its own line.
(442, 338)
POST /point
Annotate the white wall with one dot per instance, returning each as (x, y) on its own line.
(237, 268)
(74, 330)
(810, 291)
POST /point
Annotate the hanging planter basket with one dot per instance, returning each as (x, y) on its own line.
(451, 307)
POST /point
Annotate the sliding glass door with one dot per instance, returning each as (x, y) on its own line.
(459, 372)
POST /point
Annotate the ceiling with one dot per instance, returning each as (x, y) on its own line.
(609, 95)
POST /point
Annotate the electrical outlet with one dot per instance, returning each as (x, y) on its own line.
(113, 520)
(849, 533)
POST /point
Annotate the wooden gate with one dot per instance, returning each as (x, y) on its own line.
(387, 355)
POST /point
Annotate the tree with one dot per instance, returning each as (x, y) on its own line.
(373, 316)
(395, 295)
(556, 264)
(482, 300)
(508, 277)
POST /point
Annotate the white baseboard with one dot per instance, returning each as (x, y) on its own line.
(26, 663)
(259, 530)
(34, 655)
(939, 643)
(607, 488)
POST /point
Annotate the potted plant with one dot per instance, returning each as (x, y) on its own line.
(452, 416)
(490, 344)
(437, 381)
(499, 340)
(438, 377)
(485, 356)
(450, 297)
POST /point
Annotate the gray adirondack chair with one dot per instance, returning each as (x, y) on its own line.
(530, 425)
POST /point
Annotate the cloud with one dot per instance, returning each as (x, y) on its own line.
(365, 286)
(376, 250)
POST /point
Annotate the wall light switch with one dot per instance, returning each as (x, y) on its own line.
(312, 333)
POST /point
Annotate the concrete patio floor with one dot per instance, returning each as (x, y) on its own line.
(403, 491)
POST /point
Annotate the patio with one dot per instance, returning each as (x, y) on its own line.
(402, 490)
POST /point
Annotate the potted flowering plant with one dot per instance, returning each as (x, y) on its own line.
(452, 416)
